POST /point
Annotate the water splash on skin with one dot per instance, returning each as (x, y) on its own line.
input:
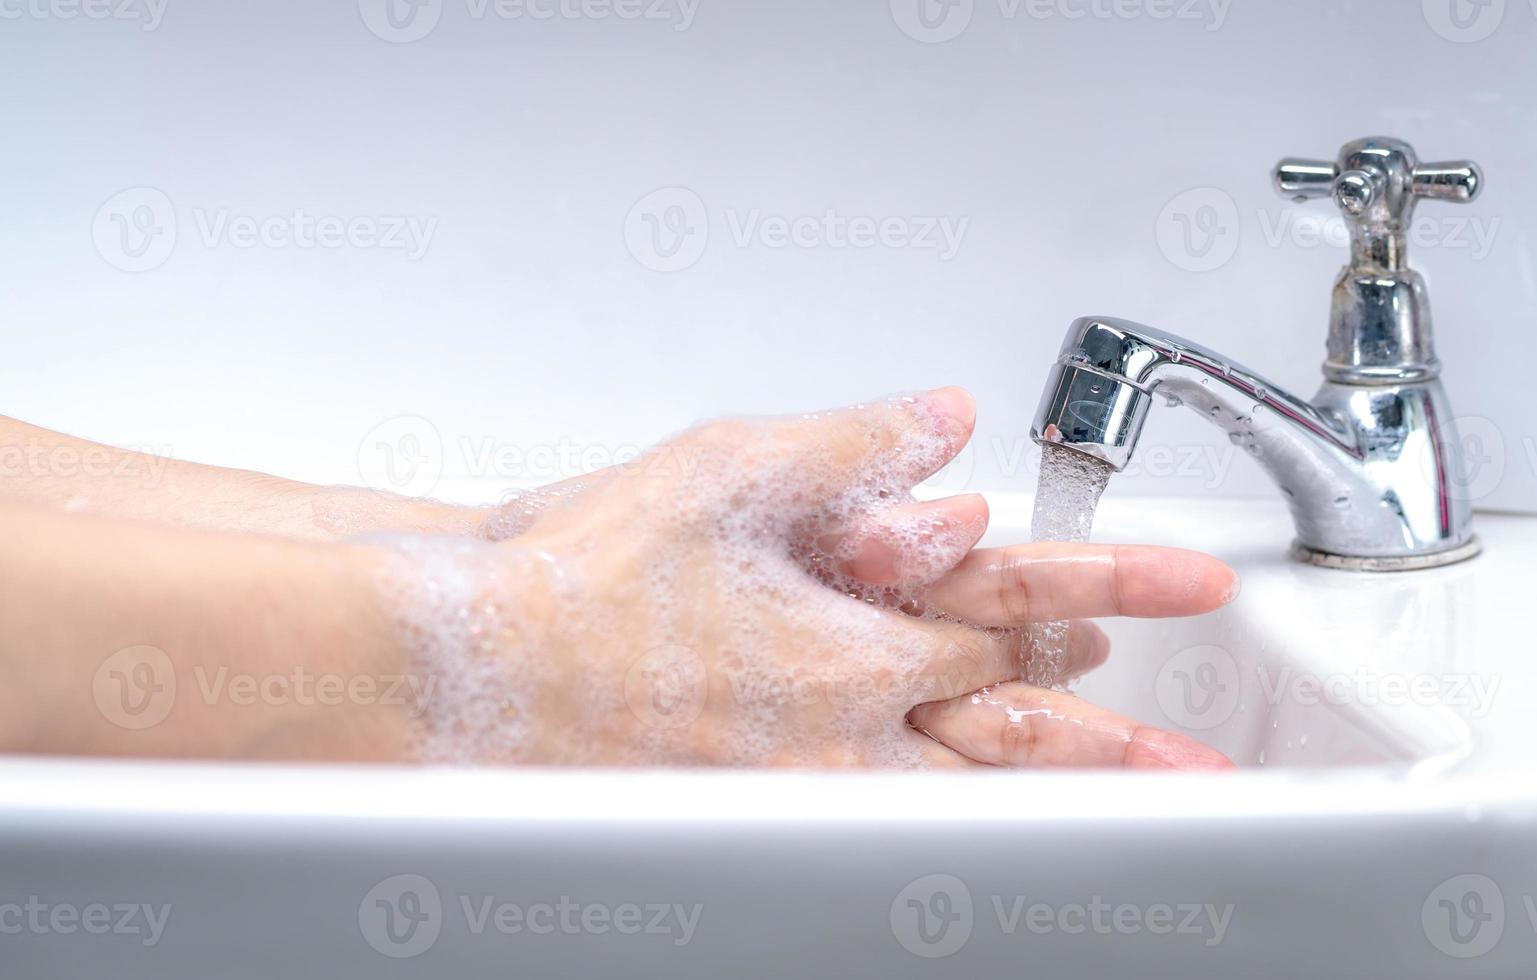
(1066, 496)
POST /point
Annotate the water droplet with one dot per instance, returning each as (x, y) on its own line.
(1215, 411)
(1172, 400)
(1303, 740)
(1261, 393)
(1095, 389)
(1342, 501)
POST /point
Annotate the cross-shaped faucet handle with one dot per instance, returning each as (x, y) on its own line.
(1377, 180)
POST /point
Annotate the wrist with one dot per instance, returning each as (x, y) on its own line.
(330, 513)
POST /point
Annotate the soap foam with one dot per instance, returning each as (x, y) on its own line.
(585, 621)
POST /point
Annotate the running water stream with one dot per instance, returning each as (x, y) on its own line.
(1069, 489)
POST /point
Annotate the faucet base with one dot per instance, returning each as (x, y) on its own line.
(1397, 563)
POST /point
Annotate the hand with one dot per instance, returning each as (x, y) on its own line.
(767, 592)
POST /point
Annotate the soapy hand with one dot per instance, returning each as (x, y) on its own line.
(767, 592)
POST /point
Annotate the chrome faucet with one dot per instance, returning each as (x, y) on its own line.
(1371, 466)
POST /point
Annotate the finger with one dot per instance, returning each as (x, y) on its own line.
(1087, 647)
(909, 544)
(904, 439)
(1032, 583)
(938, 755)
(962, 659)
(1022, 726)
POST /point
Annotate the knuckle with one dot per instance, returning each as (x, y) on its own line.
(1013, 591)
(1020, 742)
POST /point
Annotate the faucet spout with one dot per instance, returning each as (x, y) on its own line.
(1370, 472)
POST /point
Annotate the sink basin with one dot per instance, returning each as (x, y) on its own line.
(1383, 823)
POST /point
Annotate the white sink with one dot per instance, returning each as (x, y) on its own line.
(1383, 825)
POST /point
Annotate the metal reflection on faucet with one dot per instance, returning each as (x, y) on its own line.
(1369, 466)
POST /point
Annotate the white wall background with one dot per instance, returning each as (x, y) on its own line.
(533, 320)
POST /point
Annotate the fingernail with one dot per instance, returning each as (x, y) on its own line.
(1166, 750)
(918, 717)
(1233, 589)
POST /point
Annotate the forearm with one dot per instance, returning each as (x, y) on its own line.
(130, 639)
(48, 469)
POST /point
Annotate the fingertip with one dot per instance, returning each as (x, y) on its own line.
(1154, 748)
(1158, 581)
(956, 408)
(1234, 587)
